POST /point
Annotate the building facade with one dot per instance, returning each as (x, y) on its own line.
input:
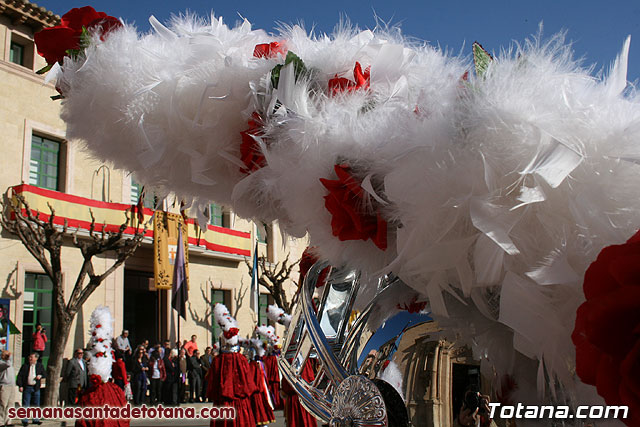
(40, 163)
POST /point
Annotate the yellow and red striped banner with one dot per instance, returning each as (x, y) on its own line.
(75, 210)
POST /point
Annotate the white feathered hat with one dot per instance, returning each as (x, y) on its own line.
(228, 324)
(277, 314)
(101, 334)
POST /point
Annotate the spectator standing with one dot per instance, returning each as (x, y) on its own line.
(170, 385)
(39, 340)
(195, 377)
(139, 376)
(158, 375)
(119, 371)
(205, 364)
(123, 344)
(189, 346)
(7, 385)
(28, 381)
(158, 348)
(182, 366)
(76, 376)
(166, 349)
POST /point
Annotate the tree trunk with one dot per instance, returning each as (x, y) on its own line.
(61, 327)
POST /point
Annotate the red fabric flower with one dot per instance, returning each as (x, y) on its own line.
(340, 84)
(250, 152)
(100, 339)
(98, 326)
(94, 380)
(345, 202)
(99, 354)
(414, 306)
(53, 42)
(607, 328)
(270, 50)
(232, 332)
(306, 262)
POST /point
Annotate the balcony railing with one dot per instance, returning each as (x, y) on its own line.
(75, 210)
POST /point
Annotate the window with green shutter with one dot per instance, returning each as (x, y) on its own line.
(16, 54)
(149, 199)
(264, 301)
(38, 308)
(45, 160)
(216, 215)
(262, 232)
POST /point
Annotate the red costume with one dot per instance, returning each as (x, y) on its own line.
(295, 413)
(273, 380)
(229, 379)
(260, 402)
(100, 394)
(230, 383)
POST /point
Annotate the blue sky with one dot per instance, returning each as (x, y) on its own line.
(597, 28)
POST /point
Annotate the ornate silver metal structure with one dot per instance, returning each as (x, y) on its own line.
(347, 389)
(358, 402)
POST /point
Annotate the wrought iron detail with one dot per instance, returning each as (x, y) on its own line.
(358, 402)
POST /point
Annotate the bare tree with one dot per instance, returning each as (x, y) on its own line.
(44, 240)
(237, 300)
(204, 320)
(273, 277)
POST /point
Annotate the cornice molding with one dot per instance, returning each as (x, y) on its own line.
(23, 12)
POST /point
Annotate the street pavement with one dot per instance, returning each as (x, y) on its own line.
(280, 422)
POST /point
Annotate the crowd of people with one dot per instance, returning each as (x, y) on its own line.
(165, 373)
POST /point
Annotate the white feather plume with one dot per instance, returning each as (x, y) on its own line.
(269, 333)
(277, 314)
(500, 189)
(101, 335)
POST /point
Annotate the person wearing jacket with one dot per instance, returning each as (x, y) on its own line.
(7, 385)
(39, 340)
(157, 375)
(205, 364)
(195, 376)
(29, 379)
(139, 376)
(119, 371)
(76, 376)
(170, 386)
(182, 366)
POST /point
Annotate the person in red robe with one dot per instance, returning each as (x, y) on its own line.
(102, 390)
(229, 380)
(295, 413)
(261, 402)
(270, 361)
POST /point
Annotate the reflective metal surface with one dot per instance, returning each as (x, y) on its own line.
(358, 402)
(384, 365)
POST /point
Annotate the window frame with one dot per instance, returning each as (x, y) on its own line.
(66, 156)
(263, 319)
(11, 53)
(46, 325)
(28, 49)
(42, 175)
